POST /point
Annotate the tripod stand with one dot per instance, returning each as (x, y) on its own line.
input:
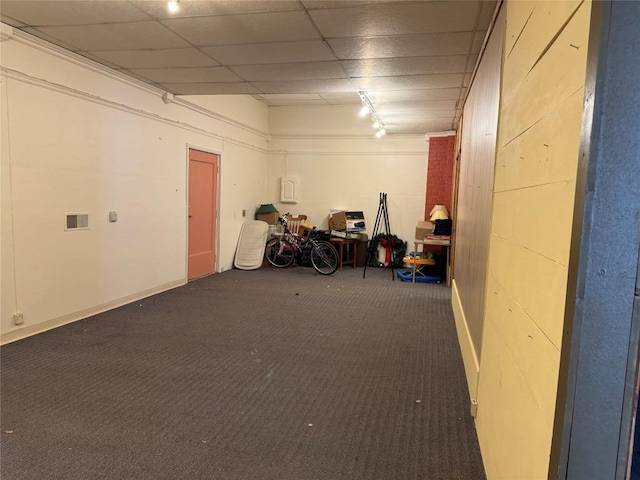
(381, 217)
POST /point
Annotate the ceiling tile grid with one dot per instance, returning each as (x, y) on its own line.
(414, 59)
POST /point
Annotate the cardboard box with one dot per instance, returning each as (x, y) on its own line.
(305, 230)
(270, 218)
(361, 237)
(349, 221)
(423, 229)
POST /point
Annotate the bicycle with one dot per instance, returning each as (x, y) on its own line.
(281, 251)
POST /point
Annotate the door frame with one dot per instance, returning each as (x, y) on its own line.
(191, 146)
(601, 334)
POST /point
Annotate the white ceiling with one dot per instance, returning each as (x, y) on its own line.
(413, 58)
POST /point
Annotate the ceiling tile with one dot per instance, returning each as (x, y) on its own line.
(11, 21)
(400, 117)
(394, 108)
(473, 59)
(65, 12)
(176, 57)
(341, 98)
(292, 96)
(263, 53)
(422, 45)
(285, 103)
(311, 4)
(382, 67)
(290, 71)
(306, 86)
(396, 18)
(56, 41)
(117, 36)
(209, 88)
(242, 29)
(99, 60)
(478, 40)
(421, 126)
(413, 95)
(486, 14)
(200, 8)
(176, 75)
(408, 82)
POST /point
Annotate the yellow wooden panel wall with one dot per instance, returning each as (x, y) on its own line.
(534, 186)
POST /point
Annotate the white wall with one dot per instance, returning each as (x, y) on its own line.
(79, 138)
(341, 165)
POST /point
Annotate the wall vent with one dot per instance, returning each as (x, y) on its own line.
(76, 221)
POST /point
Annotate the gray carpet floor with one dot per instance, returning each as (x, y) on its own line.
(267, 374)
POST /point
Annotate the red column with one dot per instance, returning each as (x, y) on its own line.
(440, 172)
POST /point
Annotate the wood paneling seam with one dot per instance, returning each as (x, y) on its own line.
(555, 37)
(513, 242)
(524, 311)
(521, 32)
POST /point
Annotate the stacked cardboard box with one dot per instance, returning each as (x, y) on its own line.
(349, 221)
(270, 218)
(423, 229)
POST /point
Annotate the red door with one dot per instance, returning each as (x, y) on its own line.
(203, 186)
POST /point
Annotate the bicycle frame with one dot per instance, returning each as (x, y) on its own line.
(301, 246)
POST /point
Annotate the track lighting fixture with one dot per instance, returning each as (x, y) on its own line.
(367, 108)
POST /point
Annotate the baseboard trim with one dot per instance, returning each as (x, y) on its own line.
(469, 356)
(30, 330)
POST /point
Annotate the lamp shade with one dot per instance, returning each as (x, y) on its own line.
(267, 208)
(439, 212)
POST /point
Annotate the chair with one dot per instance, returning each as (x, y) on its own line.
(294, 222)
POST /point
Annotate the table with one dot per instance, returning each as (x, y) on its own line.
(340, 243)
(437, 242)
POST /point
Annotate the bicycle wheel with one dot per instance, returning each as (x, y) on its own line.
(279, 253)
(324, 258)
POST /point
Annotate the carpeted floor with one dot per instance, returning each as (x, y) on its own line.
(267, 374)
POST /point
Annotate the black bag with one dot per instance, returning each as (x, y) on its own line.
(443, 227)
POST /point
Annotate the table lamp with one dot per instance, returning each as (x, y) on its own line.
(439, 212)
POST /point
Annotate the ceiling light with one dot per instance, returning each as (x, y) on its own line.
(367, 108)
(173, 6)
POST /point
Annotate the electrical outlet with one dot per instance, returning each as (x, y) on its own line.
(18, 318)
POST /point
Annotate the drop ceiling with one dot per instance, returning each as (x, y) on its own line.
(414, 59)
